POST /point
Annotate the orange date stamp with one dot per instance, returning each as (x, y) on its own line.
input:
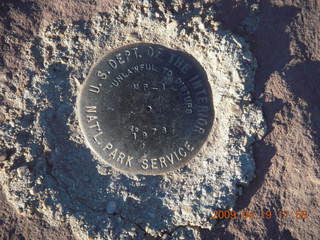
(266, 214)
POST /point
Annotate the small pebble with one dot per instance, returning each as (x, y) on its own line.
(21, 171)
(111, 207)
(3, 156)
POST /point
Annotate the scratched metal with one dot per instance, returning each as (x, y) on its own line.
(146, 109)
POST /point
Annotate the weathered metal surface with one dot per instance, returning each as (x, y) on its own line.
(146, 109)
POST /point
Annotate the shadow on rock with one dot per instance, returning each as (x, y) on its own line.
(101, 202)
(270, 44)
(303, 80)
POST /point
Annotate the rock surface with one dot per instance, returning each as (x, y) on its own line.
(283, 36)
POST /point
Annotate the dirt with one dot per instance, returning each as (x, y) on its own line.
(284, 38)
(286, 45)
(17, 227)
